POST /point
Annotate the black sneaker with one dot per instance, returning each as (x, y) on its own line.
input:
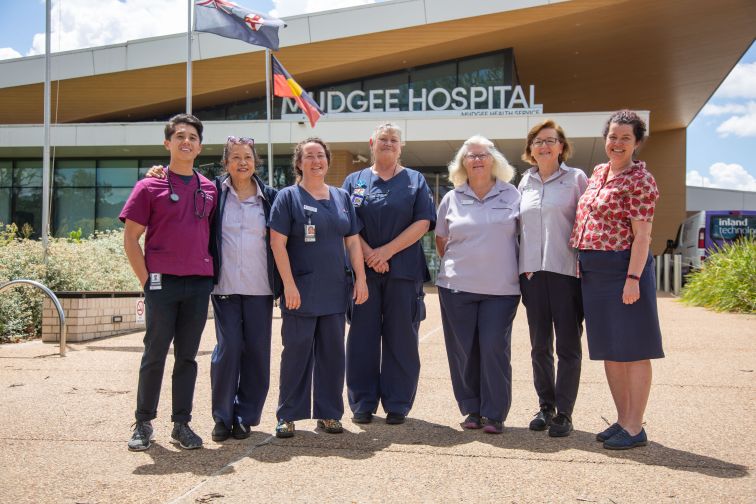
(185, 436)
(395, 418)
(561, 426)
(220, 432)
(142, 437)
(542, 419)
(240, 431)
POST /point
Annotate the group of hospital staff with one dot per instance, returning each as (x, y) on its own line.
(573, 248)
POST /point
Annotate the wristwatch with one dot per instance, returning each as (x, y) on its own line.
(633, 277)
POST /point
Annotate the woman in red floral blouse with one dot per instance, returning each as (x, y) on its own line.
(612, 233)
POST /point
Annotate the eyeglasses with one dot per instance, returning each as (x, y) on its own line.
(473, 157)
(548, 141)
(241, 140)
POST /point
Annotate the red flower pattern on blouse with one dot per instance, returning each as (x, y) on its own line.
(606, 208)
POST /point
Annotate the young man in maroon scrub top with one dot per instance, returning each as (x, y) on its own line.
(176, 271)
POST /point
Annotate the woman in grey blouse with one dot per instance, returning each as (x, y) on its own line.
(548, 274)
(476, 237)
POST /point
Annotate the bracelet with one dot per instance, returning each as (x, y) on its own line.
(633, 277)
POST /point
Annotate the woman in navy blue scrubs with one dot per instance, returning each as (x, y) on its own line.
(311, 225)
(395, 207)
(246, 282)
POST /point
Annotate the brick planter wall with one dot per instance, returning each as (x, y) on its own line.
(89, 315)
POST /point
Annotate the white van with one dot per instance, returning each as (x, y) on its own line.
(702, 233)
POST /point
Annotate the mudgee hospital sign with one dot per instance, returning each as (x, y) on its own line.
(459, 101)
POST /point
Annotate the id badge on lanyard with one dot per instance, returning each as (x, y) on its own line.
(309, 228)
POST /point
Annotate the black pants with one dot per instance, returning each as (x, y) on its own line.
(554, 305)
(176, 313)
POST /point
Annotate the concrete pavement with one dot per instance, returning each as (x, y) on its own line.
(66, 422)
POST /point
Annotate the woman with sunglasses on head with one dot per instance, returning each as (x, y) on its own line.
(548, 274)
(612, 233)
(395, 206)
(312, 226)
(246, 282)
(476, 238)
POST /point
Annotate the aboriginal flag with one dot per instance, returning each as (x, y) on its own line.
(285, 86)
(227, 19)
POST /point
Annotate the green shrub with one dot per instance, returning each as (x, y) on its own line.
(727, 280)
(96, 263)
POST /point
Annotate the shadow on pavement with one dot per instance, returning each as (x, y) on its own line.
(377, 437)
(138, 349)
(203, 462)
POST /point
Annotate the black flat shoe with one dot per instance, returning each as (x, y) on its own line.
(395, 418)
(220, 432)
(362, 418)
(240, 431)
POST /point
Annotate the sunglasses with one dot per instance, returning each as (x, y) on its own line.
(241, 140)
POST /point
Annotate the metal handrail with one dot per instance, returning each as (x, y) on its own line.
(53, 298)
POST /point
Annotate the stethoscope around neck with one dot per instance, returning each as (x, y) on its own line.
(199, 192)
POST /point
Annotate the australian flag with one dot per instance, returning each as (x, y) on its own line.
(230, 20)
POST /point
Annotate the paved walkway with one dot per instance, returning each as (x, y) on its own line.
(66, 422)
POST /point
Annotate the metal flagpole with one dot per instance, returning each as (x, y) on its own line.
(268, 103)
(190, 4)
(46, 150)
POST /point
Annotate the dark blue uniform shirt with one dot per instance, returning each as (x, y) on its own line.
(320, 268)
(385, 208)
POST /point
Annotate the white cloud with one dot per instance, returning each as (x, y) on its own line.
(8, 53)
(723, 176)
(283, 8)
(743, 125)
(711, 109)
(78, 24)
(741, 83)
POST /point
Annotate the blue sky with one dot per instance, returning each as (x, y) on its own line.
(721, 139)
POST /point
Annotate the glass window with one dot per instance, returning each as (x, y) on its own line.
(73, 209)
(483, 71)
(27, 208)
(399, 80)
(28, 173)
(5, 206)
(6, 173)
(336, 101)
(212, 114)
(75, 173)
(247, 110)
(117, 172)
(283, 174)
(442, 75)
(110, 201)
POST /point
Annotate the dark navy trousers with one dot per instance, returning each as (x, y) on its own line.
(176, 313)
(478, 335)
(240, 366)
(383, 358)
(554, 305)
(312, 365)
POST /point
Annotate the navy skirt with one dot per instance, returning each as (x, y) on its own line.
(616, 331)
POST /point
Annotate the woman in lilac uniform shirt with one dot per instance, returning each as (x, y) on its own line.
(548, 274)
(476, 237)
